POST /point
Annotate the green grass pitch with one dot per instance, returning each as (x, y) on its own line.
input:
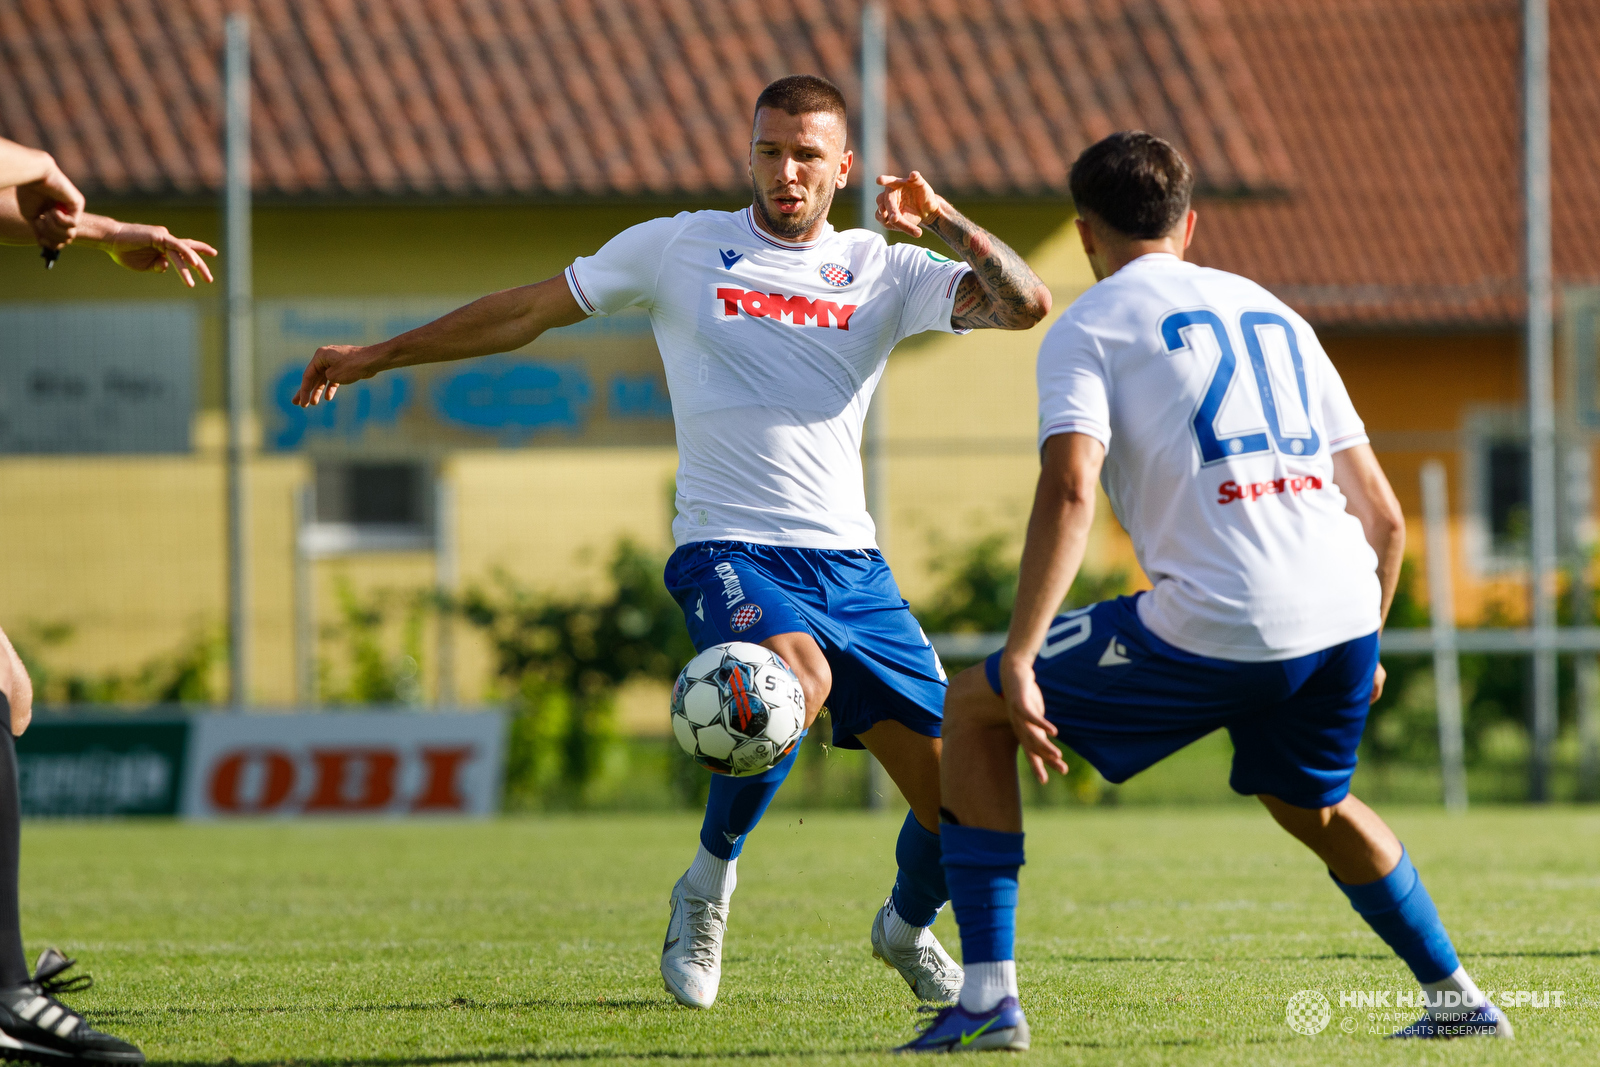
(1146, 936)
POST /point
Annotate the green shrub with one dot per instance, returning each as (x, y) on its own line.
(562, 659)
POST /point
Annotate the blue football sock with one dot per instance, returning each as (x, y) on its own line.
(1398, 908)
(737, 804)
(980, 867)
(919, 890)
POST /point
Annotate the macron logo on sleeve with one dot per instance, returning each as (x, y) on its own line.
(798, 309)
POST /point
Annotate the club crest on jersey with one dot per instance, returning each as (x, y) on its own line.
(836, 274)
(745, 618)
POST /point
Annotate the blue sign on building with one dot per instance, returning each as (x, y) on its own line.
(597, 382)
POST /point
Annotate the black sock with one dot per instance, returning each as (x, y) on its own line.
(13, 963)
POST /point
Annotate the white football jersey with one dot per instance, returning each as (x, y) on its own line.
(772, 352)
(1220, 413)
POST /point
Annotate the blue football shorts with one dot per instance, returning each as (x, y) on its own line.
(1124, 699)
(883, 665)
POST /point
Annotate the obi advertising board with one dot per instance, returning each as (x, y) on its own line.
(223, 766)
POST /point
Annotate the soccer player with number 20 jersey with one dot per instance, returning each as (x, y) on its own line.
(1232, 455)
(774, 330)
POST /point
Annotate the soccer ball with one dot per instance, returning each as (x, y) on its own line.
(737, 708)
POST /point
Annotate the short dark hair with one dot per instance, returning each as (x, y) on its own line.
(1134, 182)
(802, 94)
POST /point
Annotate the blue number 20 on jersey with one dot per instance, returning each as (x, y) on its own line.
(1214, 448)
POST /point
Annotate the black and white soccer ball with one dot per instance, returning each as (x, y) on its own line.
(737, 708)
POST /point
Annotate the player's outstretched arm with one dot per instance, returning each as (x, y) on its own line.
(499, 322)
(1002, 292)
(1058, 535)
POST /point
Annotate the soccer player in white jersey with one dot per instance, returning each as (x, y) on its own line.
(774, 329)
(1233, 457)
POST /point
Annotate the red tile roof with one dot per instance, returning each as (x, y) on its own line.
(597, 98)
(1403, 118)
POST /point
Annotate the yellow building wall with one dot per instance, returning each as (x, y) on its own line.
(129, 550)
(1415, 393)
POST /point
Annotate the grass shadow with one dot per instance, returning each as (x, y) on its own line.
(456, 1004)
(529, 1056)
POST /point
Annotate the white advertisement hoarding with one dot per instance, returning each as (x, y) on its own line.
(398, 764)
(91, 377)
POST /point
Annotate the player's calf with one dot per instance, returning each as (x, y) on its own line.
(1374, 871)
(978, 769)
(902, 935)
(691, 954)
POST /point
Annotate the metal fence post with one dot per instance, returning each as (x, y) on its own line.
(305, 606)
(1446, 663)
(871, 161)
(446, 577)
(1540, 374)
(236, 245)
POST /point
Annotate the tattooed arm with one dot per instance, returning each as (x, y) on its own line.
(1001, 292)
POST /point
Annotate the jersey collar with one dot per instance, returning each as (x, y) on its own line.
(789, 246)
(1150, 259)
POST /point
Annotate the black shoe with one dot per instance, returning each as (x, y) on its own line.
(38, 1028)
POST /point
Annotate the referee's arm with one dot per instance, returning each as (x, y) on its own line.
(38, 203)
(15, 686)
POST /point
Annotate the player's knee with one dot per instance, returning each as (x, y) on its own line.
(817, 681)
(802, 656)
(1307, 824)
(970, 702)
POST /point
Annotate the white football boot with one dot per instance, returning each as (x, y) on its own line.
(691, 956)
(927, 968)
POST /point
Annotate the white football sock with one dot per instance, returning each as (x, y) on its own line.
(987, 984)
(1468, 996)
(900, 933)
(712, 878)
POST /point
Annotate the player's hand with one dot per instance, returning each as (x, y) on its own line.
(16, 686)
(1034, 732)
(154, 248)
(906, 203)
(53, 207)
(331, 367)
(1378, 678)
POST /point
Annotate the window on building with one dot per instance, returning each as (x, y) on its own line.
(1507, 497)
(365, 505)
